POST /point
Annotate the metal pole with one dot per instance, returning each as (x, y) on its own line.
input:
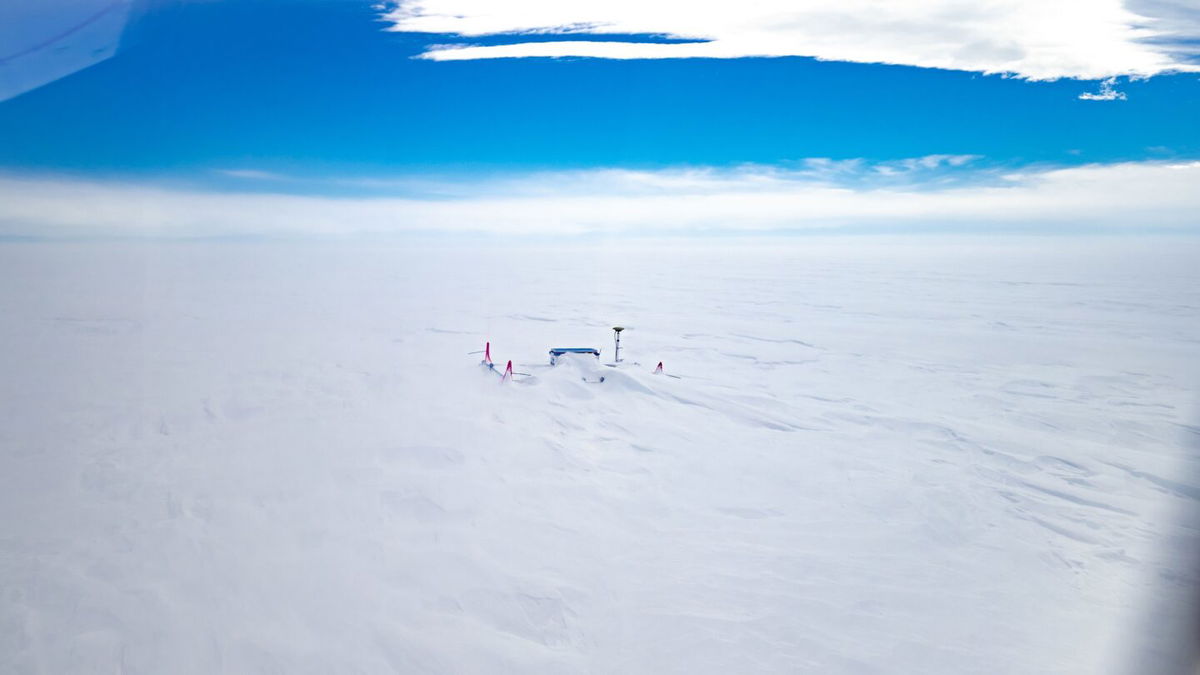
(617, 339)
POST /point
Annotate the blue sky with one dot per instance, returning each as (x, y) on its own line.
(320, 98)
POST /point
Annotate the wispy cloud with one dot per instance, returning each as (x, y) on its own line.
(690, 201)
(1107, 92)
(1033, 39)
(251, 174)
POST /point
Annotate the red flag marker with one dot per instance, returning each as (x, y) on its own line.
(487, 352)
(658, 370)
(507, 376)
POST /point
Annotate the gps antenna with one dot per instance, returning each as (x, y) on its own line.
(617, 339)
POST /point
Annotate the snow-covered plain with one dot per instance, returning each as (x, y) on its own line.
(882, 455)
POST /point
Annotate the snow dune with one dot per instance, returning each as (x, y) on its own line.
(880, 456)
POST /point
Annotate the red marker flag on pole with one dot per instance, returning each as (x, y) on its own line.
(658, 370)
(507, 376)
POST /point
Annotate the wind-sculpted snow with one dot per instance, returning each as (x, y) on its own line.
(876, 456)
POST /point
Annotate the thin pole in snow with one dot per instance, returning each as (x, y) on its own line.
(617, 339)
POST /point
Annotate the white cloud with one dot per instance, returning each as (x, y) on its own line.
(621, 202)
(1034, 39)
(1106, 93)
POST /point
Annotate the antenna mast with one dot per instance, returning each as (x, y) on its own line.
(617, 339)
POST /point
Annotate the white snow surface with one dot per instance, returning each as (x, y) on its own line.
(881, 456)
